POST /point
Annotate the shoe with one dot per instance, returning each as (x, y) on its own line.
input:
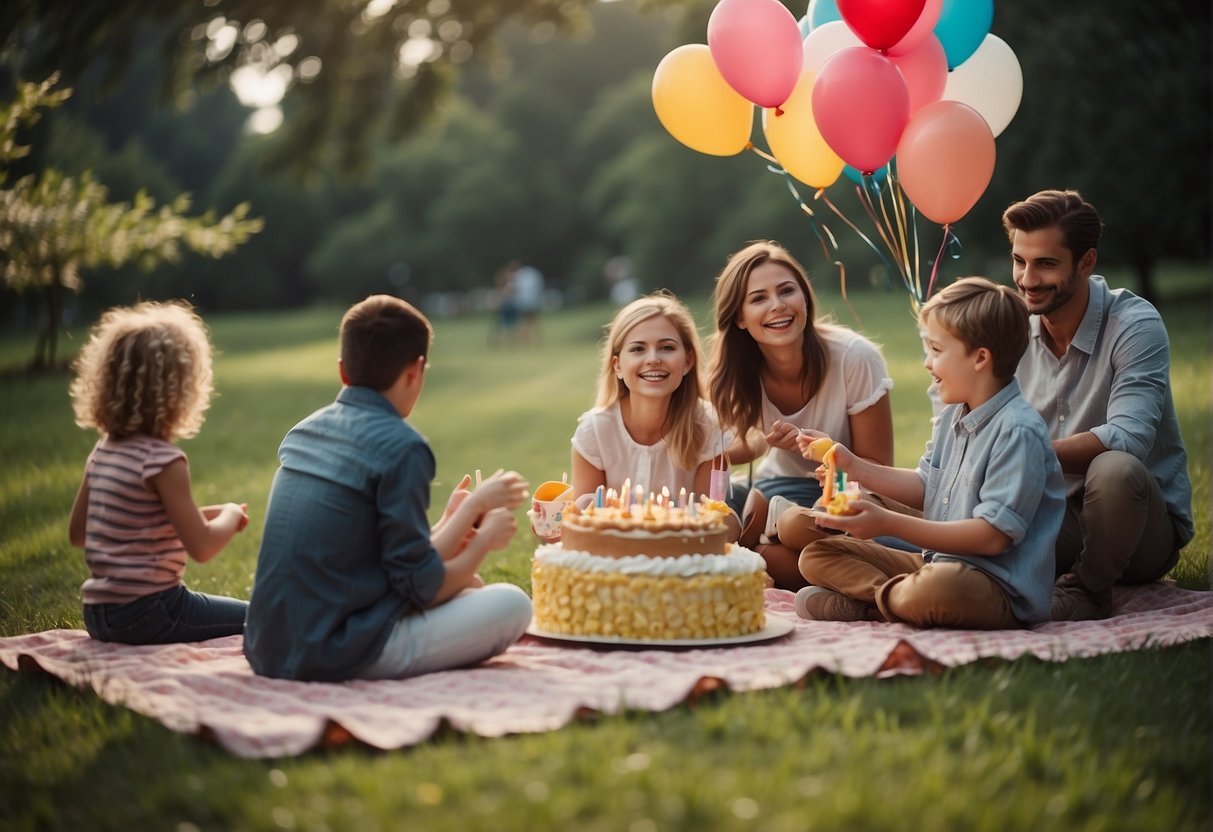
(820, 604)
(777, 506)
(1073, 602)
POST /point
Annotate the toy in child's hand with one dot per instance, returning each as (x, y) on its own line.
(819, 447)
(840, 505)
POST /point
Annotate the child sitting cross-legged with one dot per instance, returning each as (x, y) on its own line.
(989, 484)
(352, 582)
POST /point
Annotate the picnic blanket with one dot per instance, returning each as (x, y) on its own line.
(208, 689)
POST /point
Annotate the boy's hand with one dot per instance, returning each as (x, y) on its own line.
(497, 528)
(869, 520)
(458, 495)
(505, 489)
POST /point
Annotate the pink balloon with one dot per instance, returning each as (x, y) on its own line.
(861, 105)
(881, 23)
(757, 47)
(923, 27)
(925, 69)
(945, 160)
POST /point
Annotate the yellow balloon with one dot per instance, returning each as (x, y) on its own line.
(795, 140)
(697, 106)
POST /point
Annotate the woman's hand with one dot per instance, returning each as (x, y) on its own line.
(783, 435)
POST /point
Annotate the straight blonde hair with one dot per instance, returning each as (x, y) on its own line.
(685, 430)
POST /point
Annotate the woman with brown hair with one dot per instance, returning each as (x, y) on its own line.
(778, 371)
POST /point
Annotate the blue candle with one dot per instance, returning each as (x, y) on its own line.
(598, 493)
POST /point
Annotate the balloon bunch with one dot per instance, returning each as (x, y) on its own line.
(903, 96)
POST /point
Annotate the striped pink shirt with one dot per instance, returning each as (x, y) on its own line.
(130, 546)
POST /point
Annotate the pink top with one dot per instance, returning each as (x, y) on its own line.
(130, 546)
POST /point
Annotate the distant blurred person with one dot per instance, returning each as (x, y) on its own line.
(505, 305)
(528, 298)
(621, 280)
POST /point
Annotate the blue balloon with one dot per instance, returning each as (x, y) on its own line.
(878, 177)
(962, 26)
(821, 12)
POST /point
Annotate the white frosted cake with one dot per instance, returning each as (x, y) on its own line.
(652, 573)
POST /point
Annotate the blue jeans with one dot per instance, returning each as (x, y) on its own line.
(803, 491)
(173, 615)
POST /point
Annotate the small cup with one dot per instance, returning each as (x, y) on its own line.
(547, 509)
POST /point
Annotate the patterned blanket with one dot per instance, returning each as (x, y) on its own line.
(207, 688)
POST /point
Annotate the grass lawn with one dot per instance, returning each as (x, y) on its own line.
(1120, 742)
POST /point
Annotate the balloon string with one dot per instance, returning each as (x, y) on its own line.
(886, 239)
(767, 156)
(821, 195)
(947, 232)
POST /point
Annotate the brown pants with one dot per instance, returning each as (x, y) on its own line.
(1117, 529)
(904, 588)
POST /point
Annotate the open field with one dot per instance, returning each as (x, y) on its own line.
(1116, 743)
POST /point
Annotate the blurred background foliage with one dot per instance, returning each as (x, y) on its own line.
(527, 132)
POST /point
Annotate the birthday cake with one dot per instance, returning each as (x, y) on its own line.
(648, 572)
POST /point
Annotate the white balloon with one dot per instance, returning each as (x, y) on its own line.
(990, 81)
(826, 40)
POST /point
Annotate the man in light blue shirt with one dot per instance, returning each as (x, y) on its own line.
(1097, 368)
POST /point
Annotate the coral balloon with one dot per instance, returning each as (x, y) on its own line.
(922, 27)
(991, 82)
(826, 41)
(881, 23)
(861, 105)
(795, 140)
(945, 160)
(697, 107)
(962, 26)
(925, 70)
(757, 47)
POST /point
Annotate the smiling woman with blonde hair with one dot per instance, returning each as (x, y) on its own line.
(651, 423)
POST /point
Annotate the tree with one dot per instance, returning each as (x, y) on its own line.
(54, 226)
(351, 65)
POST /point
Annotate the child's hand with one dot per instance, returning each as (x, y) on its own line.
(458, 495)
(505, 489)
(243, 524)
(868, 521)
(807, 437)
(497, 528)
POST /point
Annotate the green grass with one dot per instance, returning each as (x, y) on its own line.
(1120, 742)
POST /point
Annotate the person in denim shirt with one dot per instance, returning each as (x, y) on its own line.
(351, 580)
(989, 485)
(1098, 369)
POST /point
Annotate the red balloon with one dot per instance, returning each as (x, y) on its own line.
(881, 23)
(861, 105)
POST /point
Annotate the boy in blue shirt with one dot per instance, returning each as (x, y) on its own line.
(989, 485)
(351, 580)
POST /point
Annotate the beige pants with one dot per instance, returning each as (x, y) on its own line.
(904, 588)
(1117, 529)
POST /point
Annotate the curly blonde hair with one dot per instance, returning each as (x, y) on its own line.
(146, 370)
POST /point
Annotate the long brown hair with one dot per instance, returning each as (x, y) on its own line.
(686, 431)
(734, 380)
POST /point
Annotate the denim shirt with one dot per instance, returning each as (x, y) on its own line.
(346, 549)
(1114, 380)
(996, 463)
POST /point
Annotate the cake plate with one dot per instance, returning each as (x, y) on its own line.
(776, 627)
